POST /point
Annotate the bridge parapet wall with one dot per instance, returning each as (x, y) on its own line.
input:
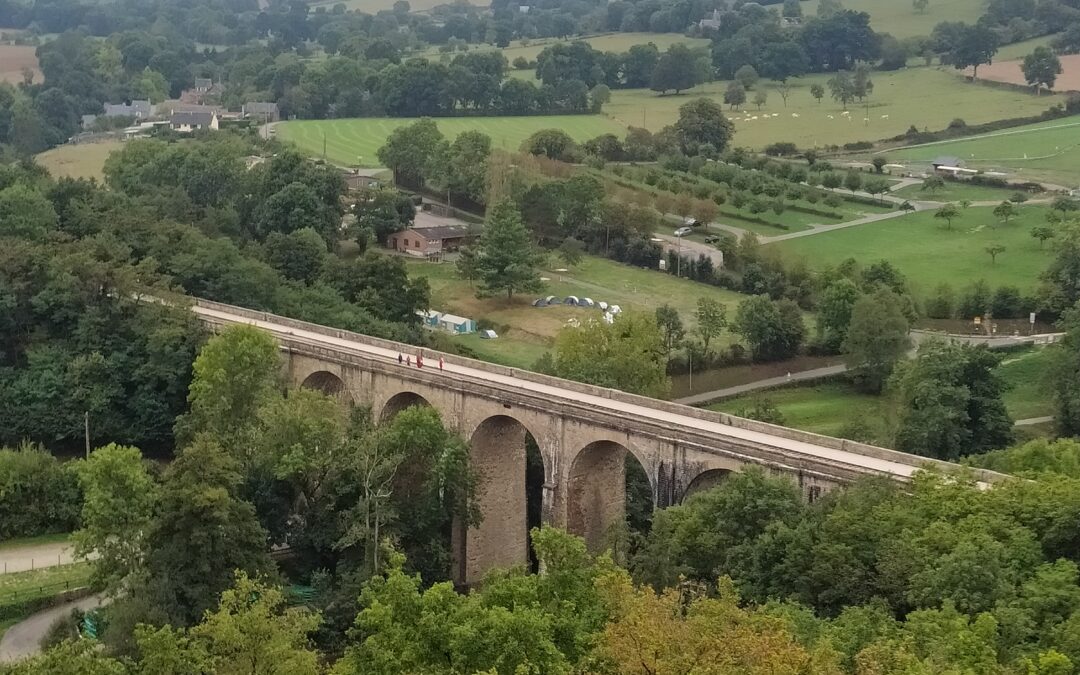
(611, 394)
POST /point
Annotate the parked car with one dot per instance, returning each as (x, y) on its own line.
(683, 231)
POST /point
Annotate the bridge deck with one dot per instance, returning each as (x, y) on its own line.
(897, 469)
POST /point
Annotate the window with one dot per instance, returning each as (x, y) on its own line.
(417, 243)
(815, 493)
(406, 243)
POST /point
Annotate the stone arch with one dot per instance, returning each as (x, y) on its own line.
(326, 382)
(398, 402)
(596, 491)
(705, 480)
(497, 448)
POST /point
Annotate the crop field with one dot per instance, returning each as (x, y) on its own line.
(923, 97)
(354, 142)
(921, 248)
(1002, 70)
(1050, 149)
(84, 160)
(14, 59)
(900, 19)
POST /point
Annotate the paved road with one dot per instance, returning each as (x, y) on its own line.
(690, 247)
(1034, 420)
(24, 638)
(35, 556)
(800, 376)
(898, 468)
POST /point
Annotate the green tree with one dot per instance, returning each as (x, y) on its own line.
(628, 354)
(932, 184)
(842, 88)
(571, 251)
(298, 255)
(119, 503)
(506, 259)
(747, 76)
(295, 207)
(773, 330)
(1004, 211)
(948, 213)
(1041, 68)
(1066, 375)
(235, 374)
(974, 46)
(876, 186)
(761, 97)
(1043, 233)
(202, 534)
(253, 632)
(412, 152)
(949, 402)
(702, 123)
(834, 312)
(25, 213)
(466, 166)
(735, 94)
(853, 181)
(920, 5)
(877, 338)
(671, 326)
(817, 91)
(711, 318)
(676, 70)
(551, 143)
(994, 250)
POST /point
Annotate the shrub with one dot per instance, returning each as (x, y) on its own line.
(781, 149)
(38, 494)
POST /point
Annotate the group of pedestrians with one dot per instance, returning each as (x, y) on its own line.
(407, 360)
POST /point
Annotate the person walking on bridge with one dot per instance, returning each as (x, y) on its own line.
(440, 363)
(420, 359)
(400, 359)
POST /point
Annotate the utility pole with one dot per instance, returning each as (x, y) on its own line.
(86, 431)
(324, 146)
(690, 354)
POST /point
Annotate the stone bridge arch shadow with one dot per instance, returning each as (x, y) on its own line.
(512, 479)
(609, 492)
(706, 480)
(328, 383)
(399, 402)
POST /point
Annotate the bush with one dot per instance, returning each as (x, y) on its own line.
(38, 494)
(859, 145)
(781, 149)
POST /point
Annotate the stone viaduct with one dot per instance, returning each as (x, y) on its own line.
(585, 435)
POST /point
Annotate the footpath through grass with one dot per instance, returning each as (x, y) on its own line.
(928, 254)
(355, 142)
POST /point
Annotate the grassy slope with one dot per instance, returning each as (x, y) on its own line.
(21, 586)
(85, 160)
(1052, 148)
(355, 141)
(923, 250)
(899, 18)
(924, 97)
(828, 407)
(532, 329)
(955, 192)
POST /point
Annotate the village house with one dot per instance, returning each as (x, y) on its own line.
(186, 122)
(139, 109)
(430, 242)
(261, 111)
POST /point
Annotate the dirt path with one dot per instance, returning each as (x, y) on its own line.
(24, 638)
(36, 556)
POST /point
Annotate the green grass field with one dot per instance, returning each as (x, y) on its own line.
(23, 586)
(828, 407)
(85, 160)
(954, 192)
(374, 6)
(35, 541)
(354, 142)
(900, 19)
(1050, 149)
(612, 42)
(532, 330)
(924, 97)
(929, 255)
